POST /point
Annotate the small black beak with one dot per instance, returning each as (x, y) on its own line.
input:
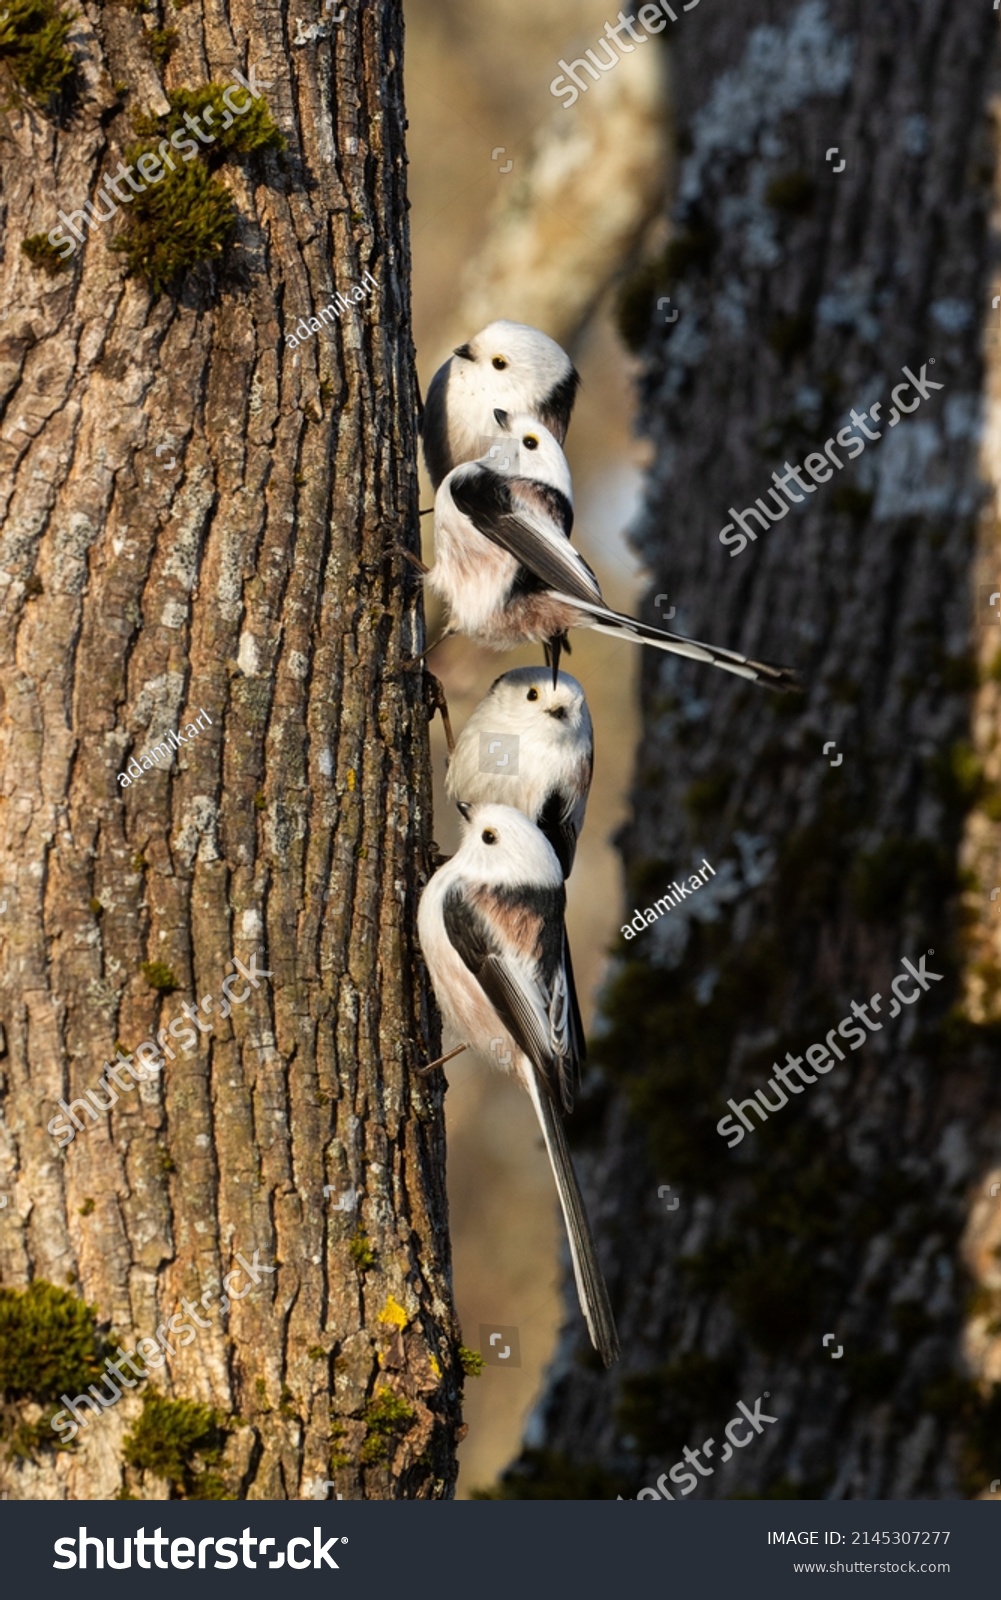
(501, 418)
(465, 811)
(463, 352)
(559, 712)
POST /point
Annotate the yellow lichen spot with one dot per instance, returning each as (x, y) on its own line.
(352, 780)
(434, 1364)
(394, 1313)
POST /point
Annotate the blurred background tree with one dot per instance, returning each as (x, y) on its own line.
(864, 1209)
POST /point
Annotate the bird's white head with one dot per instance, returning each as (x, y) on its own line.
(521, 366)
(510, 367)
(535, 453)
(502, 848)
(526, 698)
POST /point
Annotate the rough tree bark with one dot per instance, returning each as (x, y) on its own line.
(196, 515)
(863, 1207)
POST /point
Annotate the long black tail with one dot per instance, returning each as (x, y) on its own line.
(617, 623)
(591, 1291)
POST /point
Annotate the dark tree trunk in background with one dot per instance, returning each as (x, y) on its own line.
(197, 515)
(862, 1209)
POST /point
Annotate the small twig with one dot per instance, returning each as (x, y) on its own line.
(423, 1071)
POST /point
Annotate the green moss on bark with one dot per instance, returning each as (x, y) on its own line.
(34, 50)
(182, 1441)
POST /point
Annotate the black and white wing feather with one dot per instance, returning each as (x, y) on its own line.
(532, 522)
(524, 978)
(523, 974)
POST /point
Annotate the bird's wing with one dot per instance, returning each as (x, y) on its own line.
(516, 514)
(570, 1066)
(512, 941)
(558, 404)
(558, 821)
(434, 427)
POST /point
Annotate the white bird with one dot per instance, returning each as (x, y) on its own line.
(508, 574)
(529, 745)
(491, 928)
(507, 366)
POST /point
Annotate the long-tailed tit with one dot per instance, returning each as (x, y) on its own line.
(529, 745)
(491, 928)
(508, 366)
(506, 570)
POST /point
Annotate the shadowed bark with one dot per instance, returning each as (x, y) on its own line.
(198, 517)
(861, 1208)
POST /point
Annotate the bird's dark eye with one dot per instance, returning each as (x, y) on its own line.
(499, 363)
(533, 694)
(530, 442)
(489, 837)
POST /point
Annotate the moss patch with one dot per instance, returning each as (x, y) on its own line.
(44, 255)
(48, 1342)
(186, 220)
(387, 1418)
(159, 976)
(691, 250)
(472, 1361)
(361, 1250)
(904, 875)
(161, 43)
(176, 225)
(49, 1345)
(250, 133)
(182, 1441)
(792, 193)
(660, 1408)
(851, 501)
(791, 335)
(33, 49)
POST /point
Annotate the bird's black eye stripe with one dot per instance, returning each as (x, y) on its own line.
(533, 694)
(489, 837)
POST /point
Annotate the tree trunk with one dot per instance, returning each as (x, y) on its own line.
(848, 828)
(200, 517)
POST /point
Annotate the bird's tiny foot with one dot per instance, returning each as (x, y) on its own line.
(408, 555)
(436, 702)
